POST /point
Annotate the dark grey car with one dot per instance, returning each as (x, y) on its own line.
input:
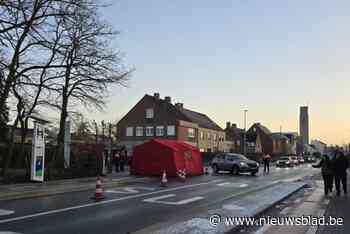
(235, 163)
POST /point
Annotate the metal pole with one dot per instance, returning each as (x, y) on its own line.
(245, 130)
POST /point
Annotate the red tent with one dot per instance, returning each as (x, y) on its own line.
(156, 155)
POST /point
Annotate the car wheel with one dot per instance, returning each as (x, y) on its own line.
(253, 173)
(235, 170)
(215, 169)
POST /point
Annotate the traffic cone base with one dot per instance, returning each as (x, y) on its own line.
(164, 180)
(99, 191)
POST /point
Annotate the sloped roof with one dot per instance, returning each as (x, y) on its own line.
(201, 119)
(264, 129)
(187, 115)
(169, 107)
(279, 136)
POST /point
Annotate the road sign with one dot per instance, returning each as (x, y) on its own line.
(38, 153)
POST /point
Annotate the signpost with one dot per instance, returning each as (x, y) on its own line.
(67, 140)
(38, 152)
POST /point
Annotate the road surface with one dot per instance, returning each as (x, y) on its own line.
(135, 206)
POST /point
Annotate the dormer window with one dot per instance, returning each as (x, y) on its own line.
(149, 113)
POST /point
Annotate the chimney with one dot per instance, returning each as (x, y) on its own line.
(167, 99)
(234, 125)
(179, 105)
(228, 125)
(156, 95)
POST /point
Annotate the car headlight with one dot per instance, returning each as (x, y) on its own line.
(257, 164)
(277, 162)
(287, 162)
(243, 164)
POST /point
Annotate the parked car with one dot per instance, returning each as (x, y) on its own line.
(284, 162)
(301, 159)
(294, 160)
(310, 159)
(235, 163)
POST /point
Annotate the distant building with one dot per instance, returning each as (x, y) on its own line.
(259, 139)
(153, 117)
(319, 146)
(235, 138)
(304, 125)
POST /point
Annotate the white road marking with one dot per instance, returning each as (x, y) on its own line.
(8, 232)
(225, 183)
(129, 190)
(326, 202)
(101, 202)
(263, 229)
(297, 200)
(233, 207)
(230, 184)
(285, 210)
(6, 212)
(182, 202)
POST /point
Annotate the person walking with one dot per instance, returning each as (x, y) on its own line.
(266, 161)
(327, 173)
(341, 164)
(116, 161)
(123, 158)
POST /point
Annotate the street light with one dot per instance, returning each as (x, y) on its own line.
(245, 130)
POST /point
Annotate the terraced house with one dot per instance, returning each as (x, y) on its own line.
(153, 117)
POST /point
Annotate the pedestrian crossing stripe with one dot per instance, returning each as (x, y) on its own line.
(6, 212)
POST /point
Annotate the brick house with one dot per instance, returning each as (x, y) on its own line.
(235, 136)
(153, 117)
(259, 139)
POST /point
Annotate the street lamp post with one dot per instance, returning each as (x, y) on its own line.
(245, 130)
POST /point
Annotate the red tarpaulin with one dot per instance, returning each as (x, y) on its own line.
(156, 155)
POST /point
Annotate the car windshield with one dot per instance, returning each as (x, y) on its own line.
(239, 156)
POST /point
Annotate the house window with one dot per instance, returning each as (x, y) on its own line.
(139, 131)
(160, 131)
(149, 131)
(238, 142)
(214, 136)
(190, 132)
(149, 113)
(171, 130)
(129, 131)
(209, 136)
(202, 135)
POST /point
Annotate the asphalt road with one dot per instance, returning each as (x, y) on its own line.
(134, 206)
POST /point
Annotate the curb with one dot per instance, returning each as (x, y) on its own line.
(266, 208)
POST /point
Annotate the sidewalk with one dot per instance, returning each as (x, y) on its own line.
(35, 189)
(338, 207)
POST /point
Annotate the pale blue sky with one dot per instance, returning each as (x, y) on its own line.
(219, 57)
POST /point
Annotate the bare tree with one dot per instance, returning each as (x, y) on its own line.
(90, 65)
(25, 26)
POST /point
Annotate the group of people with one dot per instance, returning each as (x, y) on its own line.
(334, 169)
(120, 160)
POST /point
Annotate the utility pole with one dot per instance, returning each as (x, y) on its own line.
(245, 132)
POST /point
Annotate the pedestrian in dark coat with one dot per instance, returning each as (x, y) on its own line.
(341, 164)
(116, 161)
(266, 161)
(327, 173)
(123, 158)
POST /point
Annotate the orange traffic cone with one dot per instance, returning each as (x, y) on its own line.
(164, 180)
(99, 191)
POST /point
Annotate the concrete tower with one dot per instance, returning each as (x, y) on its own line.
(304, 125)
